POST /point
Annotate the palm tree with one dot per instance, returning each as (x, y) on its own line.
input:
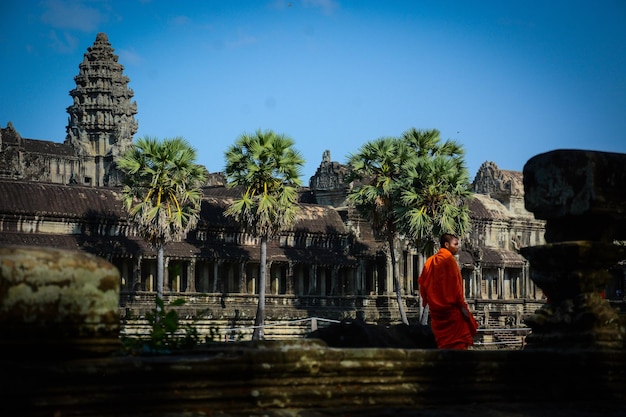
(379, 167)
(162, 192)
(436, 190)
(413, 186)
(267, 169)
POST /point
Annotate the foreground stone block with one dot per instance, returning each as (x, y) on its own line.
(582, 196)
(57, 302)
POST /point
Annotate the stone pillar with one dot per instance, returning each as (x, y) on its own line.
(582, 197)
(290, 278)
(360, 275)
(268, 278)
(137, 274)
(216, 276)
(524, 282)
(191, 276)
(166, 275)
(475, 287)
(242, 278)
(375, 279)
(409, 272)
(389, 277)
(313, 287)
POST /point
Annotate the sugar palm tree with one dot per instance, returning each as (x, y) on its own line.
(266, 167)
(378, 168)
(162, 192)
(414, 187)
(435, 190)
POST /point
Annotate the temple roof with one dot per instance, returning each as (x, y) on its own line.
(491, 258)
(46, 147)
(483, 207)
(72, 201)
(131, 246)
(76, 201)
(21, 198)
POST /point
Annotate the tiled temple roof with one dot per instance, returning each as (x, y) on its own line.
(124, 246)
(48, 148)
(79, 202)
(74, 201)
(483, 207)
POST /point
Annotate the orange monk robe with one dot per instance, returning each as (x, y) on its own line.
(441, 288)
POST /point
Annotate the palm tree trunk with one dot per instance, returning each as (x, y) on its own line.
(160, 271)
(396, 278)
(259, 321)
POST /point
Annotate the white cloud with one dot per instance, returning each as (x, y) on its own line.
(71, 15)
(66, 43)
(129, 57)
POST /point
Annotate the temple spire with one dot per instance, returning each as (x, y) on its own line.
(101, 119)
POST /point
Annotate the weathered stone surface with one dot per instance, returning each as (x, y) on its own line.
(578, 191)
(309, 378)
(57, 298)
(582, 196)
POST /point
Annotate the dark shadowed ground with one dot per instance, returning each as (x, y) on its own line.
(357, 333)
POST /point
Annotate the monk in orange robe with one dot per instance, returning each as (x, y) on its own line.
(441, 288)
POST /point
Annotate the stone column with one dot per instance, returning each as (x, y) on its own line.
(216, 276)
(313, 280)
(191, 276)
(290, 278)
(475, 285)
(242, 278)
(268, 278)
(375, 279)
(137, 274)
(389, 277)
(360, 276)
(166, 275)
(501, 284)
(409, 280)
(582, 196)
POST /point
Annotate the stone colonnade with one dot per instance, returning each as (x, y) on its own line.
(364, 277)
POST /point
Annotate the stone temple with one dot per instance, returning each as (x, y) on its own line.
(101, 125)
(330, 265)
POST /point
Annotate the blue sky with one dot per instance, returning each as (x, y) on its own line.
(506, 79)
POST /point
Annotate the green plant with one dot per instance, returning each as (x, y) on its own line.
(167, 333)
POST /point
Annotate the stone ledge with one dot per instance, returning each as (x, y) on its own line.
(307, 375)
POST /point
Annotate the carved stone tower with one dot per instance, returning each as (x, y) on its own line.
(328, 184)
(101, 120)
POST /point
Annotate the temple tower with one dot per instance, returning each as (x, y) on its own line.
(101, 121)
